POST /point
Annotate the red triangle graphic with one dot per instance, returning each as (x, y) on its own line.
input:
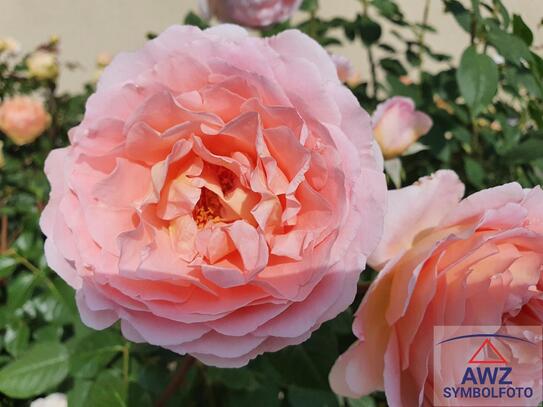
(487, 349)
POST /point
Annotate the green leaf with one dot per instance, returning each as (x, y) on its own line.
(477, 78)
(301, 397)
(196, 20)
(521, 30)
(368, 30)
(94, 351)
(48, 333)
(460, 13)
(498, 4)
(108, 390)
(78, 394)
(237, 379)
(511, 47)
(51, 308)
(16, 337)
(137, 396)
(267, 396)
(7, 266)
(20, 289)
(390, 10)
(313, 360)
(310, 5)
(474, 172)
(41, 368)
(366, 401)
(530, 150)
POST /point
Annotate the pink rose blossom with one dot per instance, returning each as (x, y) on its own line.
(397, 125)
(220, 196)
(250, 13)
(23, 119)
(445, 261)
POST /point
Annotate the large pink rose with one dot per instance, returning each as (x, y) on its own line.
(220, 196)
(397, 125)
(23, 119)
(250, 13)
(445, 262)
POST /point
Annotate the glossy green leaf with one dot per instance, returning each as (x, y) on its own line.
(531, 149)
(94, 351)
(521, 30)
(108, 390)
(366, 401)
(16, 337)
(474, 172)
(511, 47)
(41, 368)
(477, 79)
(79, 393)
(301, 397)
(368, 30)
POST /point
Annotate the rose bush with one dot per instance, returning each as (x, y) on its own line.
(253, 212)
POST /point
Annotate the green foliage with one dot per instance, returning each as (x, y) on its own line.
(477, 78)
(41, 368)
(488, 127)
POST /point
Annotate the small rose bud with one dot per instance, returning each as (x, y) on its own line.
(345, 70)
(397, 125)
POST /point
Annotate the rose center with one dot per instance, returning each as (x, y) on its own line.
(207, 209)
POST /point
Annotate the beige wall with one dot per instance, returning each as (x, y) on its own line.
(87, 28)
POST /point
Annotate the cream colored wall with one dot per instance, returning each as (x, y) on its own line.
(87, 28)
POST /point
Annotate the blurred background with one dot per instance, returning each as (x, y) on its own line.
(88, 28)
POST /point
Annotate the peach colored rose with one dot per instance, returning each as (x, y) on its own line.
(23, 119)
(444, 262)
(220, 196)
(397, 125)
(250, 13)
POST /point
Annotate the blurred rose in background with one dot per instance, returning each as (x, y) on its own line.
(397, 125)
(250, 13)
(23, 119)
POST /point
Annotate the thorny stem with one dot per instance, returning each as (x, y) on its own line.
(177, 381)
